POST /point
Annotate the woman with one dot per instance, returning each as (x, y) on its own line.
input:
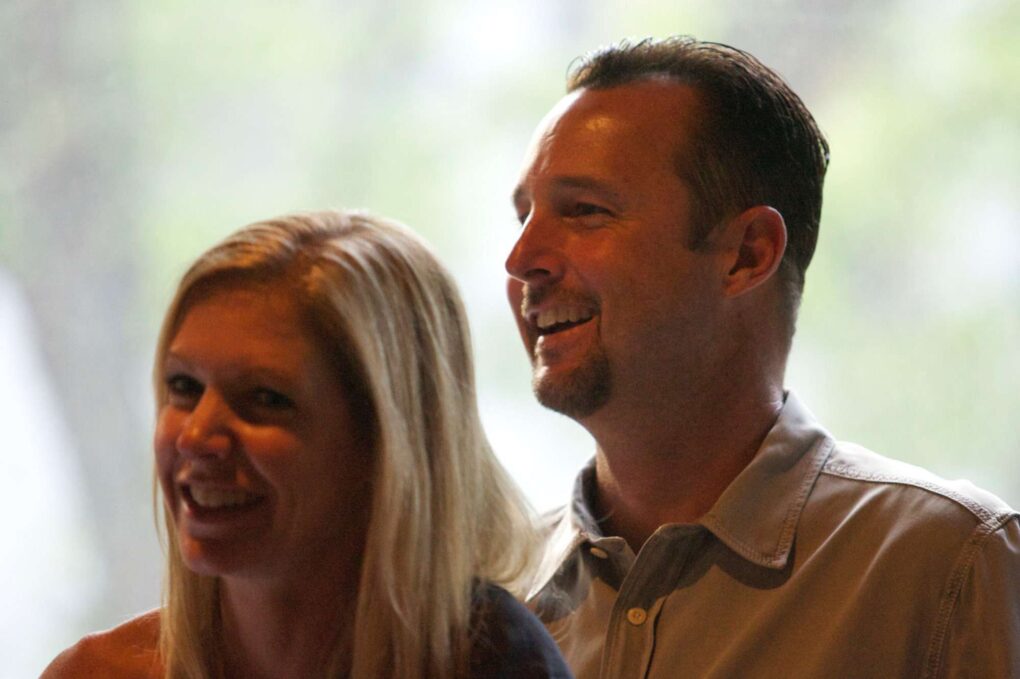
(331, 503)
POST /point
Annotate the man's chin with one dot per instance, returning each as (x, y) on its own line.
(577, 394)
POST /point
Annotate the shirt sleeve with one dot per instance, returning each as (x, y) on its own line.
(509, 642)
(983, 635)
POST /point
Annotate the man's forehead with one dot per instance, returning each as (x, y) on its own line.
(647, 112)
(587, 110)
(636, 101)
(547, 129)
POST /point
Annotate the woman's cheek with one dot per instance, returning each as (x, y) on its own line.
(165, 449)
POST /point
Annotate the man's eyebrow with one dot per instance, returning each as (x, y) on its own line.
(520, 194)
(589, 184)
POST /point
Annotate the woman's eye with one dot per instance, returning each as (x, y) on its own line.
(183, 386)
(270, 398)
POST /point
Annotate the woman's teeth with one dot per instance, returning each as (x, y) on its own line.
(216, 498)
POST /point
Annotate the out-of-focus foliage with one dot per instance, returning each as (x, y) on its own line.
(133, 135)
(912, 316)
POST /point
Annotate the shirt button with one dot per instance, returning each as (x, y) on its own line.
(636, 616)
(600, 553)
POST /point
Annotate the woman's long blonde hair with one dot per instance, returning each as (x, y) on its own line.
(444, 512)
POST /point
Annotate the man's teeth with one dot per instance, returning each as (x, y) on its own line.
(214, 498)
(569, 314)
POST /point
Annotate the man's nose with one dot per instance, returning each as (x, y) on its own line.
(537, 256)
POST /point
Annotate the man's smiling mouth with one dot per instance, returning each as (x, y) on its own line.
(559, 318)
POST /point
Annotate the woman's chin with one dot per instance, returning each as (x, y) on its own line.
(212, 558)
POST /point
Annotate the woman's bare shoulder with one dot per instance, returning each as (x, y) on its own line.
(128, 651)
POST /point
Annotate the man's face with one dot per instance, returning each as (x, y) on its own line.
(610, 302)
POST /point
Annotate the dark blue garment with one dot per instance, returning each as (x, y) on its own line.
(508, 642)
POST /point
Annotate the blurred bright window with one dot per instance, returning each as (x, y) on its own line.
(134, 135)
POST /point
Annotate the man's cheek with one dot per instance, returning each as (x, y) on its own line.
(515, 296)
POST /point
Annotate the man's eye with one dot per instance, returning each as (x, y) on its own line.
(272, 399)
(586, 209)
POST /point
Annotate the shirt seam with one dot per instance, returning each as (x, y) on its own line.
(951, 593)
(982, 513)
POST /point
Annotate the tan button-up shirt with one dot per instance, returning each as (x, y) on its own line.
(821, 559)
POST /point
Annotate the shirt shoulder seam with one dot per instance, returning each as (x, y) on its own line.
(991, 520)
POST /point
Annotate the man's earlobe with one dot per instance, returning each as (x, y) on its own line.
(758, 237)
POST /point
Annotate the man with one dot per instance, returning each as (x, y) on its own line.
(669, 208)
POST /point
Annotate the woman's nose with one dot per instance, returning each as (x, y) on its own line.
(206, 429)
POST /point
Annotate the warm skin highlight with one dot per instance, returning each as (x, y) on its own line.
(695, 353)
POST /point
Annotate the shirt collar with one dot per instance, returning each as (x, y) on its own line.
(568, 528)
(757, 514)
(582, 503)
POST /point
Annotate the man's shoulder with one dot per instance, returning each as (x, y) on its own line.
(127, 651)
(896, 480)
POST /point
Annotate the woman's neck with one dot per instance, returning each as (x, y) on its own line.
(279, 630)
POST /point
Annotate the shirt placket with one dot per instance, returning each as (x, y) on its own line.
(631, 635)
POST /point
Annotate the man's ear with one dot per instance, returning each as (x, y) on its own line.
(755, 242)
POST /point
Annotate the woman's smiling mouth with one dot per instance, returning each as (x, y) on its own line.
(205, 500)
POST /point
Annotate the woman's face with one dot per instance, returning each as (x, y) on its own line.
(260, 461)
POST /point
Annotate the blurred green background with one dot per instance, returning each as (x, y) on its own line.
(133, 135)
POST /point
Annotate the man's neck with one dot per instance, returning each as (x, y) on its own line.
(657, 468)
